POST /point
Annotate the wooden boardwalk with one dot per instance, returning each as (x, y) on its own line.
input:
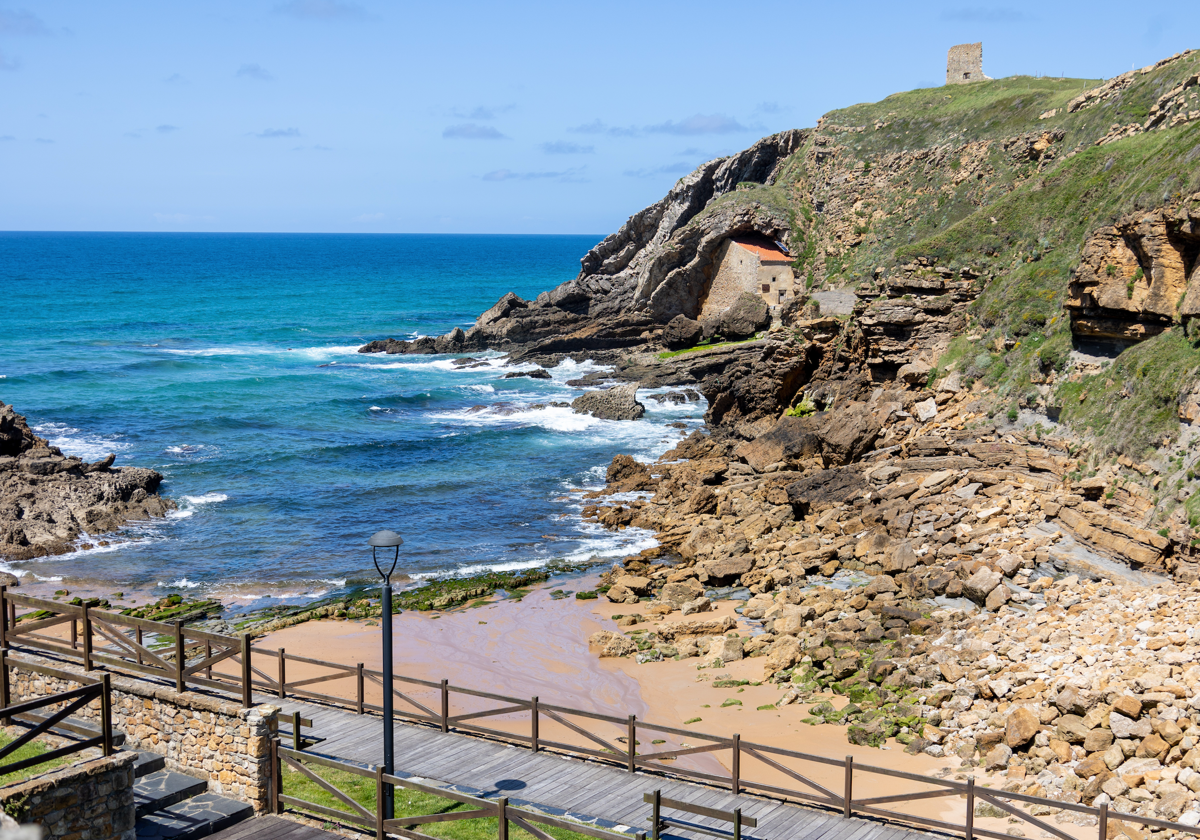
(588, 791)
(272, 828)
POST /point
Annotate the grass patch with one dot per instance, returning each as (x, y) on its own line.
(31, 750)
(1132, 406)
(671, 354)
(407, 803)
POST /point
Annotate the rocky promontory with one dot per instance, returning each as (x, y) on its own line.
(47, 499)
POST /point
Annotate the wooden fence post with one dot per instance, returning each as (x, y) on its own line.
(74, 634)
(180, 658)
(106, 713)
(87, 638)
(632, 742)
(276, 777)
(3, 618)
(970, 833)
(1104, 821)
(282, 673)
(296, 744)
(379, 835)
(247, 695)
(654, 829)
(737, 764)
(208, 655)
(502, 818)
(737, 824)
(138, 631)
(533, 724)
(849, 797)
(445, 704)
(360, 687)
(5, 699)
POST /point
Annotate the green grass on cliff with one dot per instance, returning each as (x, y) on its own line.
(30, 750)
(1133, 404)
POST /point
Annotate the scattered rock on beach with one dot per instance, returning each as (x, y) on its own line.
(619, 403)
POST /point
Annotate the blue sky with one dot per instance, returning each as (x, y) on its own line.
(517, 117)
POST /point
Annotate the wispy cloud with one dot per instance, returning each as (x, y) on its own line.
(600, 127)
(472, 131)
(21, 22)
(984, 14)
(254, 71)
(44, 140)
(767, 108)
(165, 128)
(566, 147)
(7, 138)
(693, 125)
(176, 79)
(132, 135)
(665, 169)
(509, 175)
(698, 124)
(323, 148)
(274, 133)
(322, 10)
(9, 64)
(482, 112)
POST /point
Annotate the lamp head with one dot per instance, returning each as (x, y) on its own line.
(385, 539)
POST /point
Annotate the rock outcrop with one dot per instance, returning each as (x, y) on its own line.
(618, 403)
(47, 499)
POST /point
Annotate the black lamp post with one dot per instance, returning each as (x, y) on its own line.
(387, 539)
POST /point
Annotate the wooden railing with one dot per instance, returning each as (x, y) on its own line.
(183, 656)
(741, 766)
(44, 719)
(355, 813)
(658, 822)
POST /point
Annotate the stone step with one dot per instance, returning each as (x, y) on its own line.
(199, 816)
(162, 789)
(147, 763)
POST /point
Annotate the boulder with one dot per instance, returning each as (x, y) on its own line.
(747, 315)
(697, 605)
(1130, 707)
(825, 489)
(782, 654)
(997, 598)
(1020, 728)
(880, 585)
(620, 595)
(619, 403)
(980, 585)
(725, 649)
(998, 758)
(914, 374)
(609, 644)
(627, 475)
(1125, 728)
(679, 593)
(681, 333)
(634, 583)
(726, 570)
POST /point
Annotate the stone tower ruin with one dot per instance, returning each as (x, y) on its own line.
(964, 64)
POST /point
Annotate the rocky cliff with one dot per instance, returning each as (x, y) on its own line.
(47, 499)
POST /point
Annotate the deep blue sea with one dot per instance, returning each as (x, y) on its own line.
(227, 362)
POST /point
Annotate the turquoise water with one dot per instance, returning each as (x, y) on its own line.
(227, 362)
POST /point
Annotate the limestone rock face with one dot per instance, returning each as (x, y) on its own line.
(1138, 276)
(619, 403)
(679, 593)
(47, 499)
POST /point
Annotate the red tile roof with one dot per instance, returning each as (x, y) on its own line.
(766, 250)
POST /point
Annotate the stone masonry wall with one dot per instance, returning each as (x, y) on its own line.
(964, 64)
(207, 737)
(90, 799)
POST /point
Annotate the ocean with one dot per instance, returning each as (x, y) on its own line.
(228, 363)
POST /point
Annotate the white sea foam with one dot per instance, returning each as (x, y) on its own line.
(206, 499)
(482, 389)
(72, 441)
(182, 583)
(179, 514)
(376, 408)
